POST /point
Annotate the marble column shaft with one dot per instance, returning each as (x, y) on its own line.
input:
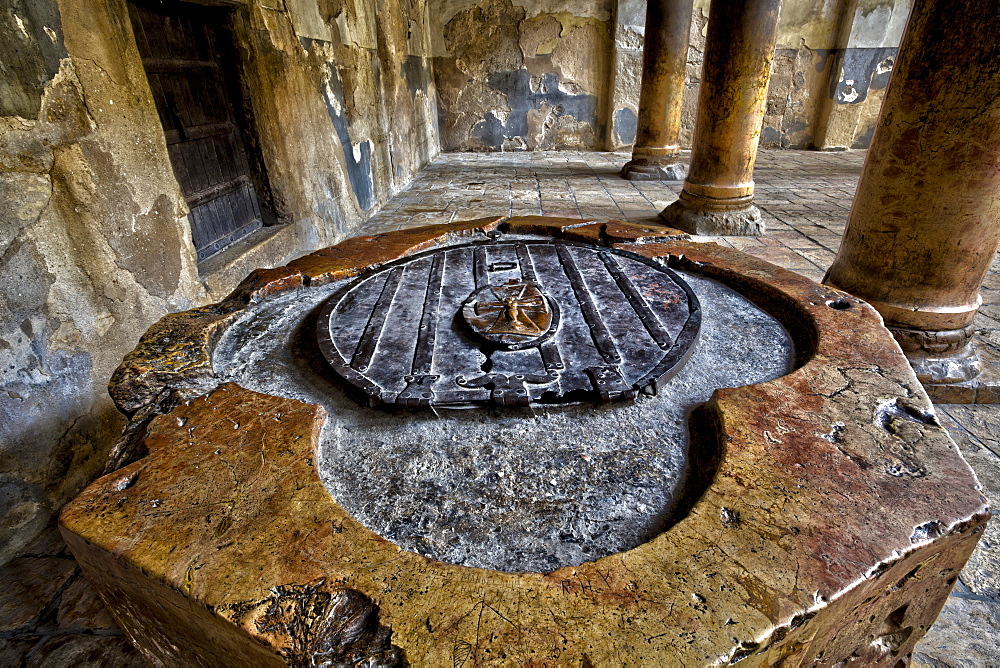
(925, 224)
(656, 153)
(718, 192)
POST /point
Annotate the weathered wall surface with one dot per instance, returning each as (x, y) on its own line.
(92, 248)
(831, 65)
(345, 105)
(831, 68)
(629, 28)
(861, 73)
(513, 75)
(94, 239)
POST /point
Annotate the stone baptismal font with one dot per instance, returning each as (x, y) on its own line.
(526, 441)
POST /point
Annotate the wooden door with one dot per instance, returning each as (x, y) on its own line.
(183, 51)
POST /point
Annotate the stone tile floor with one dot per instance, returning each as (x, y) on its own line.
(49, 615)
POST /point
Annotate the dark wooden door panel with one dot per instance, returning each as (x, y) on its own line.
(225, 217)
(181, 48)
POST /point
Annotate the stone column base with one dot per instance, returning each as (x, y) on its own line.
(703, 215)
(645, 169)
(983, 389)
(940, 357)
(939, 370)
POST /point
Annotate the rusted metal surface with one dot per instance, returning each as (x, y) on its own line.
(509, 323)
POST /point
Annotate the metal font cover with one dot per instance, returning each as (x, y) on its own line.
(510, 323)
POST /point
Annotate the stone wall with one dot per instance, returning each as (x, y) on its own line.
(347, 99)
(831, 67)
(515, 75)
(863, 68)
(94, 239)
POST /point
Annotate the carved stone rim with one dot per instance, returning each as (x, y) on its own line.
(835, 559)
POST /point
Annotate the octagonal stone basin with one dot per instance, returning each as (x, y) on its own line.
(789, 496)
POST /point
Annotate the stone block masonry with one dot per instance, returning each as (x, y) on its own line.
(836, 521)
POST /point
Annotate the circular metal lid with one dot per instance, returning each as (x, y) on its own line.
(510, 323)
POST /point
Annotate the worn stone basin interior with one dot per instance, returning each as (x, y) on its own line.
(526, 440)
(511, 488)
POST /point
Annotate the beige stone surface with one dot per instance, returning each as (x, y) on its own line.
(846, 515)
(93, 228)
(805, 195)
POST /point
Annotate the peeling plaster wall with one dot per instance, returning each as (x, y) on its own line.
(861, 72)
(510, 74)
(345, 104)
(94, 239)
(523, 75)
(831, 65)
(629, 32)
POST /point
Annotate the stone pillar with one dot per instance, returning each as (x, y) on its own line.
(718, 193)
(656, 153)
(925, 224)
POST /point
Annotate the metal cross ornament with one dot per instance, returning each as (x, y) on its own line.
(513, 313)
